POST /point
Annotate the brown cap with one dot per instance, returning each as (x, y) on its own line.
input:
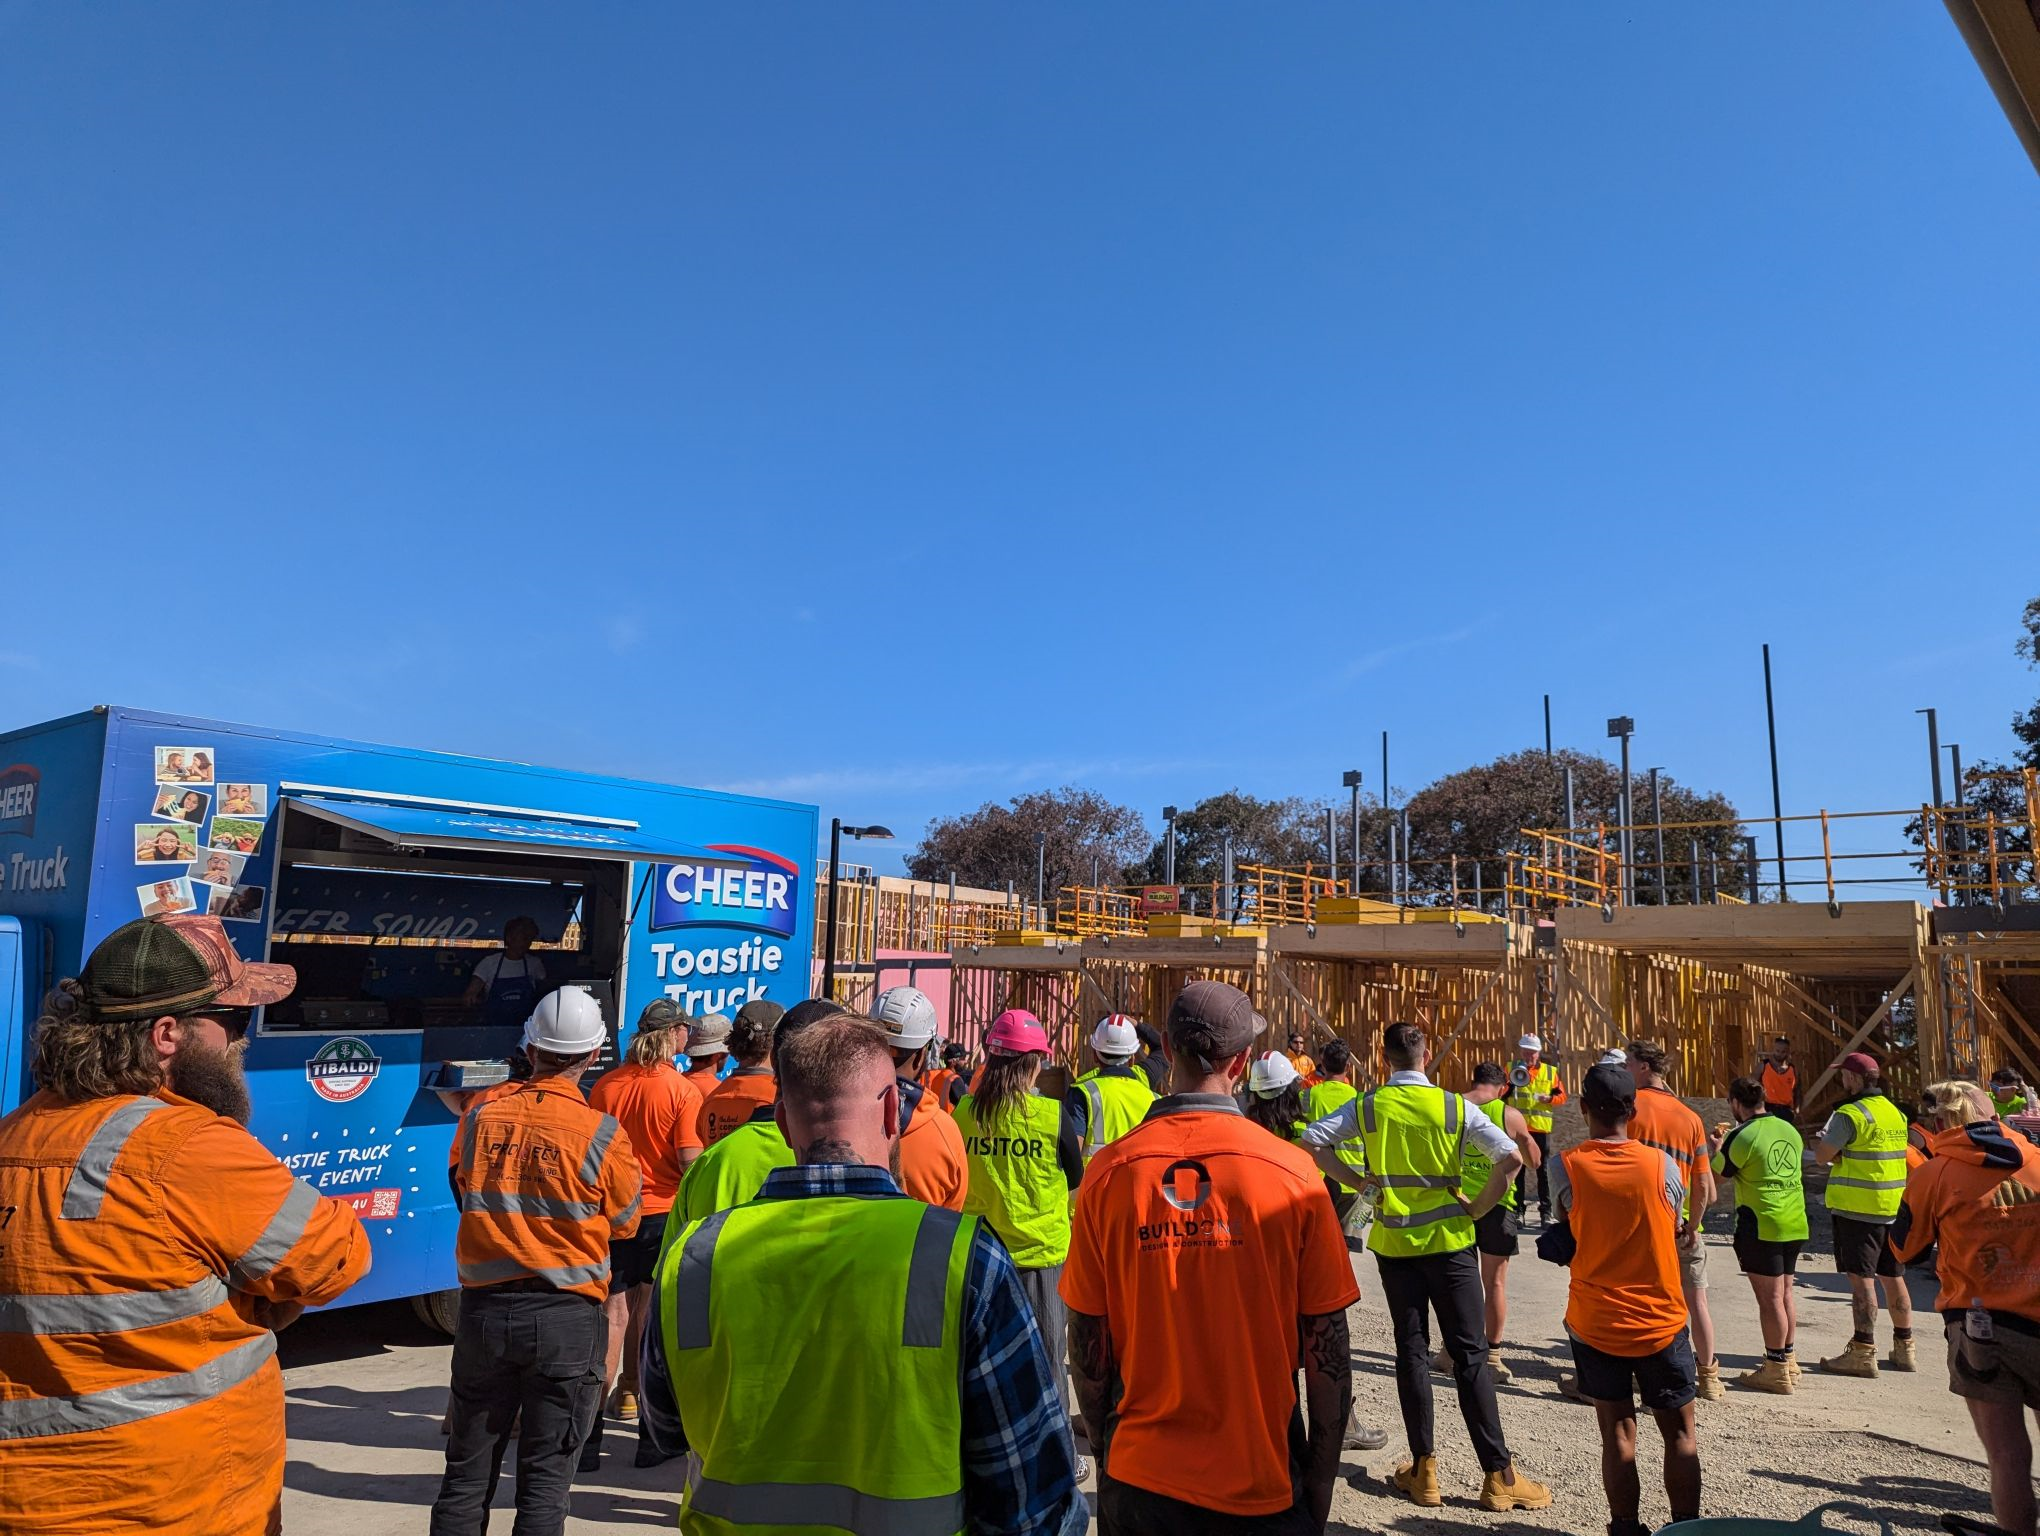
(175, 965)
(1214, 1021)
(761, 1013)
(1862, 1063)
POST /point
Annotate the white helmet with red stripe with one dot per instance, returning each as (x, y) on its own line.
(1116, 1035)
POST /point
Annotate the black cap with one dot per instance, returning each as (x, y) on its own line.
(1609, 1092)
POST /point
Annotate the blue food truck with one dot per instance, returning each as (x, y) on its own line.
(388, 877)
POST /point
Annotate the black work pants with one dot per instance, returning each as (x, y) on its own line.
(1543, 1140)
(535, 1352)
(1448, 1284)
(1124, 1510)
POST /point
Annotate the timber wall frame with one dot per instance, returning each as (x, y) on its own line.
(1932, 994)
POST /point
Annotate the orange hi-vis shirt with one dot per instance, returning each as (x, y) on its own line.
(138, 1392)
(1663, 1121)
(545, 1183)
(704, 1079)
(1780, 1083)
(1622, 1199)
(743, 1091)
(473, 1102)
(937, 1083)
(657, 1108)
(1978, 1195)
(1195, 1220)
(933, 1167)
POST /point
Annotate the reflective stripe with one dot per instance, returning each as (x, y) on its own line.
(279, 1237)
(928, 1278)
(598, 1149)
(31, 1418)
(467, 1146)
(1453, 1105)
(1094, 1133)
(504, 1202)
(628, 1214)
(1450, 1211)
(828, 1504)
(1881, 1157)
(496, 1271)
(1417, 1180)
(1367, 1122)
(690, 1286)
(1834, 1183)
(86, 1188)
(110, 1312)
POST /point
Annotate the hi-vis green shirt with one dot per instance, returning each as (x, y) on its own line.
(1764, 1153)
(1016, 1178)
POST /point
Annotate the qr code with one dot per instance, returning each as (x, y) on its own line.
(381, 1204)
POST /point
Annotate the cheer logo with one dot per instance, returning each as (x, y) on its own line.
(20, 787)
(753, 889)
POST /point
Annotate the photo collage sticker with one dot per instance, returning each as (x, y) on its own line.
(188, 791)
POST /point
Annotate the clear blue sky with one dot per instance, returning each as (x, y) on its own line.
(899, 406)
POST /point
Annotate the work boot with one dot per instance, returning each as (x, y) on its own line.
(1903, 1356)
(1770, 1376)
(1419, 1480)
(1494, 1360)
(1363, 1437)
(1708, 1383)
(1857, 1359)
(1441, 1361)
(1792, 1362)
(625, 1408)
(1569, 1386)
(1510, 1489)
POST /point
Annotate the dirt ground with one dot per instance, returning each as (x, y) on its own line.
(366, 1387)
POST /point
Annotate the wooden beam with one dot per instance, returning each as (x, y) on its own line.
(1466, 1017)
(1815, 1011)
(2011, 1010)
(1280, 974)
(1855, 1041)
(1595, 1003)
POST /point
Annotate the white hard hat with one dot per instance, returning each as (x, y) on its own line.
(567, 1022)
(1115, 1036)
(1270, 1074)
(906, 1016)
(1612, 1058)
(1529, 1043)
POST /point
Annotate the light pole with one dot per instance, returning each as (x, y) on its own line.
(1351, 780)
(1933, 747)
(1957, 835)
(1777, 800)
(1040, 873)
(1657, 815)
(1168, 845)
(1623, 727)
(836, 831)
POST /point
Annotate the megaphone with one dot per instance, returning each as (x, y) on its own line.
(1519, 1076)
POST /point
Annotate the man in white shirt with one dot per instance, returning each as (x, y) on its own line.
(507, 984)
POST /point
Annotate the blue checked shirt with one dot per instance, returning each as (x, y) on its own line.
(1019, 1464)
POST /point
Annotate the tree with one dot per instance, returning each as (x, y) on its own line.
(1285, 833)
(2026, 724)
(1479, 814)
(996, 843)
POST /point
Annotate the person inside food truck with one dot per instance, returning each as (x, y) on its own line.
(507, 984)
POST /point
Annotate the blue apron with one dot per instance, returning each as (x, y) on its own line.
(511, 998)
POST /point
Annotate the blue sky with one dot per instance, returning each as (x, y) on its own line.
(895, 407)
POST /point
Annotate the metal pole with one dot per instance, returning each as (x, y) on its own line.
(1750, 855)
(1479, 893)
(1226, 863)
(1934, 746)
(1693, 868)
(1547, 730)
(1957, 834)
(829, 943)
(1628, 848)
(1391, 859)
(1657, 816)
(1332, 844)
(1040, 868)
(1571, 860)
(1353, 829)
(1168, 845)
(1777, 801)
(1406, 850)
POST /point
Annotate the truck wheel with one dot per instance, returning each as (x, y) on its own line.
(439, 1310)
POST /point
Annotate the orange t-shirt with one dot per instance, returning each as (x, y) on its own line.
(1664, 1122)
(1622, 1199)
(657, 1109)
(704, 1079)
(733, 1100)
(1193, 1220)
(1780, 1083)
(933, 1168)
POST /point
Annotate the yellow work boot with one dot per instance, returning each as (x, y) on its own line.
(1494, 1360)
(1510, 1489)
(1769, 1376)
(1419, 1479)
(1708, 1383)
(625, 1407)
(1903, 1357)
(1856, 1360)
(1792, 1362)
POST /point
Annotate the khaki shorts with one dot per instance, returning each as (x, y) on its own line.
(1693, 1263)
(2006, 1370)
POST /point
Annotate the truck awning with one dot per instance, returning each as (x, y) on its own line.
(410, 826)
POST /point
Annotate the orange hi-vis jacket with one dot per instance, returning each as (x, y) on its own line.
(937, 1083)
(138, 1388)
(545, 1183)
(1978, 1195)
(933, 1167)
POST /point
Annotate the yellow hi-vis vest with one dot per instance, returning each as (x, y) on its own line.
(1868, 1179)
(1413, 1133)
(1117, 1104)
(1534, 1097)
(1016, 1184)
(1327, 1098)
(842, 1416)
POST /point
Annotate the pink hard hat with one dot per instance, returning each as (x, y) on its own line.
(1017, 1032)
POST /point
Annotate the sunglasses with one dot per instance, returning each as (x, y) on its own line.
(234, 1021)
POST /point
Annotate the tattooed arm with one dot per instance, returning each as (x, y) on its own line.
(1097, 1379)
(1328, 1389)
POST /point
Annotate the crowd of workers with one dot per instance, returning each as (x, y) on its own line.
(652, 1252)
